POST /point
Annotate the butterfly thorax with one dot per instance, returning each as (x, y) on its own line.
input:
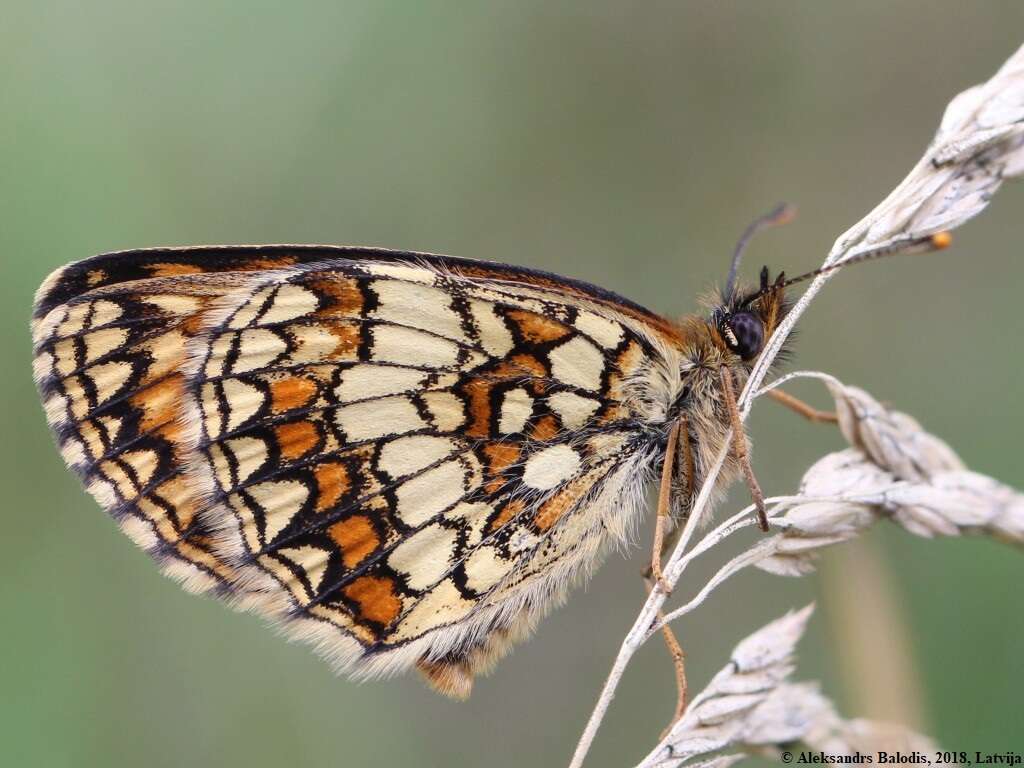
(698, 406)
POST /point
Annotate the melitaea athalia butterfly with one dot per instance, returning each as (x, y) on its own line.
(404, 459)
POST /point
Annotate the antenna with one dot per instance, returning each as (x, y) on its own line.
(783, 213)
(927, 244)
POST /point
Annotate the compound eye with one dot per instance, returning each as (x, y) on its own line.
(747, 334)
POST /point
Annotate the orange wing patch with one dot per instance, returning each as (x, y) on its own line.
(537, 329)
(545, 429)
(356, 539)
(499, 456)
(161, 269)
(340, 296)
(291, 392)
(376, 599)
(296, 439)
(333, 482)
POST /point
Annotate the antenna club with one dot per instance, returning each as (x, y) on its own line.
(785, 214)
(942, 240)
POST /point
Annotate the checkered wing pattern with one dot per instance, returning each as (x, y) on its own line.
(403, 458)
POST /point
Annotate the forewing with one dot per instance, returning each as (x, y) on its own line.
(109, 338)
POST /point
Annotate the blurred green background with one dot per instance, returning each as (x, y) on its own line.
(622, 143)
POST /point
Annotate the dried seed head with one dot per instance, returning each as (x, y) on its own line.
(750, 705)
(799, 712)
(846, 493)
(956, 503)
(979, 144)
(893, 440)
(717, 717)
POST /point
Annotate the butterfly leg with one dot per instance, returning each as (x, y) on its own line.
(739, 447)
(675, 650)
(809, 412)
(653, 575)
(664, 505)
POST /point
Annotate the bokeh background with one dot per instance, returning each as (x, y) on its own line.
(622, 143)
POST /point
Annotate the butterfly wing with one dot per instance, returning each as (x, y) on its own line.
(403, 458)
(109, 335)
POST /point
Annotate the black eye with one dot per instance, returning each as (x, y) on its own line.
(747, 334)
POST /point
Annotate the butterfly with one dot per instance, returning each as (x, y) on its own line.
(404, 459)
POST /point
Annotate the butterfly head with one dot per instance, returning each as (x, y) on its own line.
(744, 320)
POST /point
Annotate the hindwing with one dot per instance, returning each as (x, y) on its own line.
(394, 454)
